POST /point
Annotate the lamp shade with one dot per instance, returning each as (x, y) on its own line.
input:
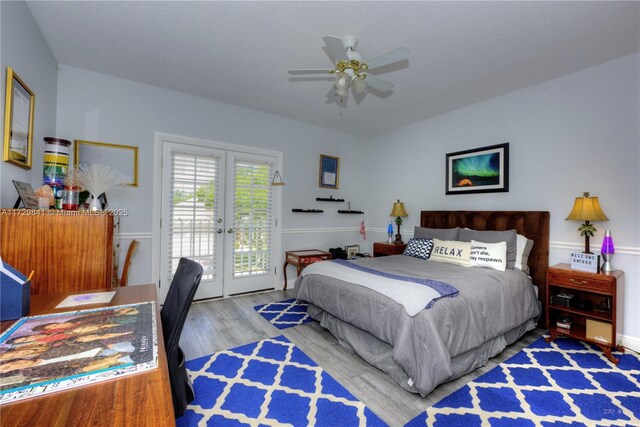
(342, 81)
(359, 84)
(398, 210)
(607, 244)
(587, 209)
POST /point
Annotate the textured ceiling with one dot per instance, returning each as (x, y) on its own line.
(239, 52)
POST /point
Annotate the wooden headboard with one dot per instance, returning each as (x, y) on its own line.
(533, 225)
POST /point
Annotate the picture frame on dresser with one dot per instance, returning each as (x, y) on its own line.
(26, 195)
(479, 170)
(352, 250)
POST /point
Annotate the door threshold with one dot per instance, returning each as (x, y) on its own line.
(260, 291)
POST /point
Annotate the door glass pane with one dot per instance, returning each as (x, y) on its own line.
(194, 208)
(252, 217)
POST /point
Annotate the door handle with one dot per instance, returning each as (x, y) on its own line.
(230, 230)
(219, 231)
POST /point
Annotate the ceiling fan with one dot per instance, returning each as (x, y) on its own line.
(351, 70)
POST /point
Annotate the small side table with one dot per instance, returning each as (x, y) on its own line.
(592, 310)
(301, 259)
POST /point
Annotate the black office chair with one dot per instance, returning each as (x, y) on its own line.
(173, 315)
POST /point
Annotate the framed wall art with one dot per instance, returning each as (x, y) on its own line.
(123, 158)
(329, 171)
(18, 121)
(480, 170)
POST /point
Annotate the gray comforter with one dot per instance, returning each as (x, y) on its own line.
(490, 305)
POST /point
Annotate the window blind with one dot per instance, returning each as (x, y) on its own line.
(194, 203)
(252, 218)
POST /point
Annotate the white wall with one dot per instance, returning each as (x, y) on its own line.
(572, 134)
(98, 107)
(576, 133)
(24, 49)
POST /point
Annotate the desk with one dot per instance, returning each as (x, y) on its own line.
(301, 259)
(142, 399)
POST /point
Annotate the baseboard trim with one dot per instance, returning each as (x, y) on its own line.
(632, 343)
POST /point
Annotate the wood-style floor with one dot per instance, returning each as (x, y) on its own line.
(226, 323)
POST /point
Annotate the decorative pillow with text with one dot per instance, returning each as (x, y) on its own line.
(451, 251)
(492, 255)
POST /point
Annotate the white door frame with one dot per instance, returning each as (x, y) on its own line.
(157, 197)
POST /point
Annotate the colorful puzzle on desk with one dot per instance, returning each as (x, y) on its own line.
(43, 354)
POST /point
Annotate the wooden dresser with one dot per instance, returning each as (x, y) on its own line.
(68, 250)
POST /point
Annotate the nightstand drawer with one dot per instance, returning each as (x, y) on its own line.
(382, 249)
(575, 281)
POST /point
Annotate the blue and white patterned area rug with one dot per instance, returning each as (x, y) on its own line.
(563, 383)
(269, 383)
(284, 314)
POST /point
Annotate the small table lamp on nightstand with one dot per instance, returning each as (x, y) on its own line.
(586, 209)
(399, 212)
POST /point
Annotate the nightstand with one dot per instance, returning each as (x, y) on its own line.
(384, 249)
(591, 311)
(301, 259)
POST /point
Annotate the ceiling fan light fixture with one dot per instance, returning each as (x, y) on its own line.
(342, 81)
(350, 69)
(342, 92)
(359, 83)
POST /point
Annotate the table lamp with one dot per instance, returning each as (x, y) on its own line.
(607, 251)
(586, 209)
(399, 212)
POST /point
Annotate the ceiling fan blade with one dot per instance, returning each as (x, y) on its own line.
(379, 84)
(311, 71)
(336, 48)
(399, 54)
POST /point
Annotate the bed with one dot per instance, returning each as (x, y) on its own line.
(453, 336)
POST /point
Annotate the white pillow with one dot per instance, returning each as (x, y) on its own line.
(451, 251)
(523, 250)
(492, 255)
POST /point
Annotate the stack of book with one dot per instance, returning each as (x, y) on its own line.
(564, 323)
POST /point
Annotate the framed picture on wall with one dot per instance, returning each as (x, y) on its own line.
(480, 170)
(329, 171)
(123, 158)
(18, 121)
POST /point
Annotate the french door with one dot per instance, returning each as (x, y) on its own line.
(218, 208)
